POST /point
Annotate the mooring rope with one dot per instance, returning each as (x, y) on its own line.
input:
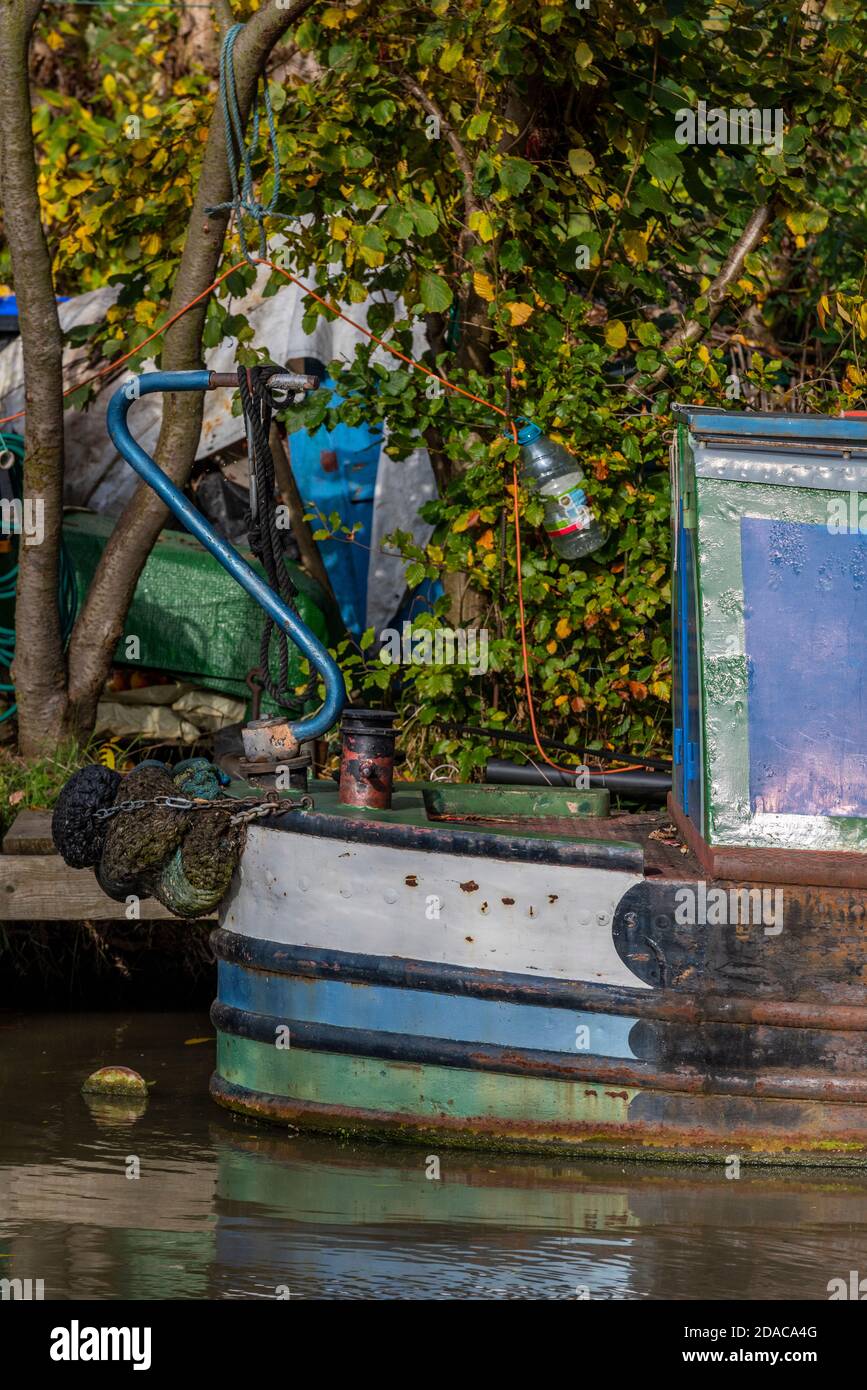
(263, 534)
(244, 200)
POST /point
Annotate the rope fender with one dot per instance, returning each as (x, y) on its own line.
(144, 834)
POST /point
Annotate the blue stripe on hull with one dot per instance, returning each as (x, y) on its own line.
(423, 1013)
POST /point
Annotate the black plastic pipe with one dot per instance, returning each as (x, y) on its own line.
(642, 786)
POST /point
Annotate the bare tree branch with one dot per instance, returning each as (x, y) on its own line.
(691, 331)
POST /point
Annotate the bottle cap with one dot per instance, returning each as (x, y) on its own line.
(527, 430)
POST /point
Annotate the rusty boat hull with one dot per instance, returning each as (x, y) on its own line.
(559, 983)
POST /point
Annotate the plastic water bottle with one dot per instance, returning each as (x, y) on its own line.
(557, 477)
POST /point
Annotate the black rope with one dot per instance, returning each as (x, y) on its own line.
(263, 535)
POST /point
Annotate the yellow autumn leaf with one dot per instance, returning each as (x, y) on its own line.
(54, 40)
(703, 354)
(635, 247)
(331, 18)
(480, 223)
(486, 540)
(615, 334)
(468, 519)
(109, 84)
(484, 286)
(563, 628)
(451, 56)
(519, 313)
(149, 110)
(823, 309)
(339, 227)
(580, 162)
(151, 244)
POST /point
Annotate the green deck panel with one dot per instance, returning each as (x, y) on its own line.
(408, 807)
(190, 616)
(415, 1089)
(475, 799)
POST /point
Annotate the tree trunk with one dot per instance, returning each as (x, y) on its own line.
(38, 669)
(197, 43)
(101, 621)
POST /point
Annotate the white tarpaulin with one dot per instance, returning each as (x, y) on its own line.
(97, 478)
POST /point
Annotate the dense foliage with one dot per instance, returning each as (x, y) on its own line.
(510, 170)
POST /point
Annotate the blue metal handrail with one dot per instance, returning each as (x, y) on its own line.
(310, 647)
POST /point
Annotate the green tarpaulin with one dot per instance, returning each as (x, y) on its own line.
(190, 617)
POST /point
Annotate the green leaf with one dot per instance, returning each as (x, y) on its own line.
(511, 255)
(424, 217)
(478, 124)
(648, 335)
(398, 222)
(383, 111)
(358, 157)
(663, 164)
(435, 293)
(372, 238)
(515, 175)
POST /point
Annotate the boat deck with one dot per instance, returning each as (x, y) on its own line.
(665, 853)
(548, 822)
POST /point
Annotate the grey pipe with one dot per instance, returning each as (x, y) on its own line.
(641, 785)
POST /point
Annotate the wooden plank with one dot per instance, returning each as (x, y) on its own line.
(40, 887)
(29, 833)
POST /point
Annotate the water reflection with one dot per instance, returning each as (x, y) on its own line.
(225, 1209)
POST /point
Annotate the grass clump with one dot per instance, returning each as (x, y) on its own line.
(34, 783)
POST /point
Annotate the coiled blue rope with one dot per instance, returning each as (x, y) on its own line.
(244, 201)
(67, 594)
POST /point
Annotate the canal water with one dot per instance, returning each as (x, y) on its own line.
(175, 1199)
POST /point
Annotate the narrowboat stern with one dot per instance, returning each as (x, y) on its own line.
(520, 968)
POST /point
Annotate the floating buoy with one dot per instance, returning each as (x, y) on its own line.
(115, 1081)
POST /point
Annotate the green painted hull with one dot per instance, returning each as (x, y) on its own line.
(419, 1103)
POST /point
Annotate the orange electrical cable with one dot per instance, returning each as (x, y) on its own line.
(417, 366)
(119, 361)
